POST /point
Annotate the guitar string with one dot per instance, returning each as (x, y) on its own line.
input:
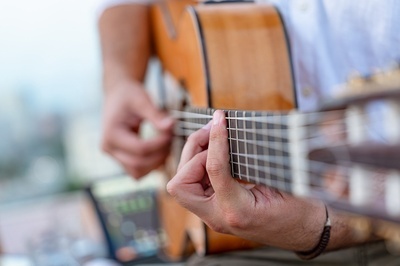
(312, 180)
(280, 159)
(308, 125)
(333, 183)
(283, 148)
(315, 181)
(271, 145)
(264, 117)
(257, 167)
(276, 133)
(184, 132)
(312, 134)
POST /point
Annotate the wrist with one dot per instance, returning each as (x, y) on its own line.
(322, 243)
(312, 225)
(115, 78)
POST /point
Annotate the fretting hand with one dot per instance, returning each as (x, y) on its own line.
(204, 185)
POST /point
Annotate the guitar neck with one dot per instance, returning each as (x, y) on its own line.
(258, 144)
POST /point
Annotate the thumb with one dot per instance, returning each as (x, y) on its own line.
(218, 167)
(146, 109)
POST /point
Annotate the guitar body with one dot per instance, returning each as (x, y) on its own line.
(226, 56)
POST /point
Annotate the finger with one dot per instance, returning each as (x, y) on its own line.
(147, 110)
(196, 143)
(187, 186)
(218, 167)
(136, 166)
(125, 140)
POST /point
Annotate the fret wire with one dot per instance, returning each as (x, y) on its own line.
(261, 150)
(286, 152)
(234, 146)
(245, 146)
(279, 150)
(238, 148)
(230, 145)
(253, 125)
(266, 151)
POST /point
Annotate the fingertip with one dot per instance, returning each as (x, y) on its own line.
(219, 118)
(165, 123)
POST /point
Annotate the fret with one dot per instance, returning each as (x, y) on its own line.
(287, 171)
(278, 152)
(249, 137)
(272, 151)
(249, 171)
(235, 145)
(231, 136)
(241, 145)
(254, 148)
(299, 163)
(359, 176)
(264, 150)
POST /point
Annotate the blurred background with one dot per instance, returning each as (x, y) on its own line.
(60, 196)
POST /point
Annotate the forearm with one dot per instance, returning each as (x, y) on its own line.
(125, 43)
(344, 234)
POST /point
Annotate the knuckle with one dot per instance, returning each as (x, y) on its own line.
(171, 188)
(135, 170)
(132, 164)
(218, 135)
(140, 149)
(235, 221)
(136, 173)
(213, 167)
(191, 139)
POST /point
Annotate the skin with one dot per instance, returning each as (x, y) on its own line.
(125, 42)
(203, 183)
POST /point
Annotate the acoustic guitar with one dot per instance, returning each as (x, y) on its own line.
(235, 56)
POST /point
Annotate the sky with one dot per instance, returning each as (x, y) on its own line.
(49, 52)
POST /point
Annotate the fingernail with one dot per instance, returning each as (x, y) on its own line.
(167, 122)
(217, 118)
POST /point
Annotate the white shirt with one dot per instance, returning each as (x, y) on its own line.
(333, 39)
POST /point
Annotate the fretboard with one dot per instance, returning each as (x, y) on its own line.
(258, 144)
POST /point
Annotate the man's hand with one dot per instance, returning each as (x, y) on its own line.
(125, 44)
(126, 106)
(204, 186)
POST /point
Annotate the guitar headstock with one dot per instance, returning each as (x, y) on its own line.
(365, 88)
(361, 173)
(381, 80)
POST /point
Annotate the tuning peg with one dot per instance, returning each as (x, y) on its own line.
(356, 81)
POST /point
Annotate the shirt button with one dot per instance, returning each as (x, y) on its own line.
(306, 91)
(304, 6)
